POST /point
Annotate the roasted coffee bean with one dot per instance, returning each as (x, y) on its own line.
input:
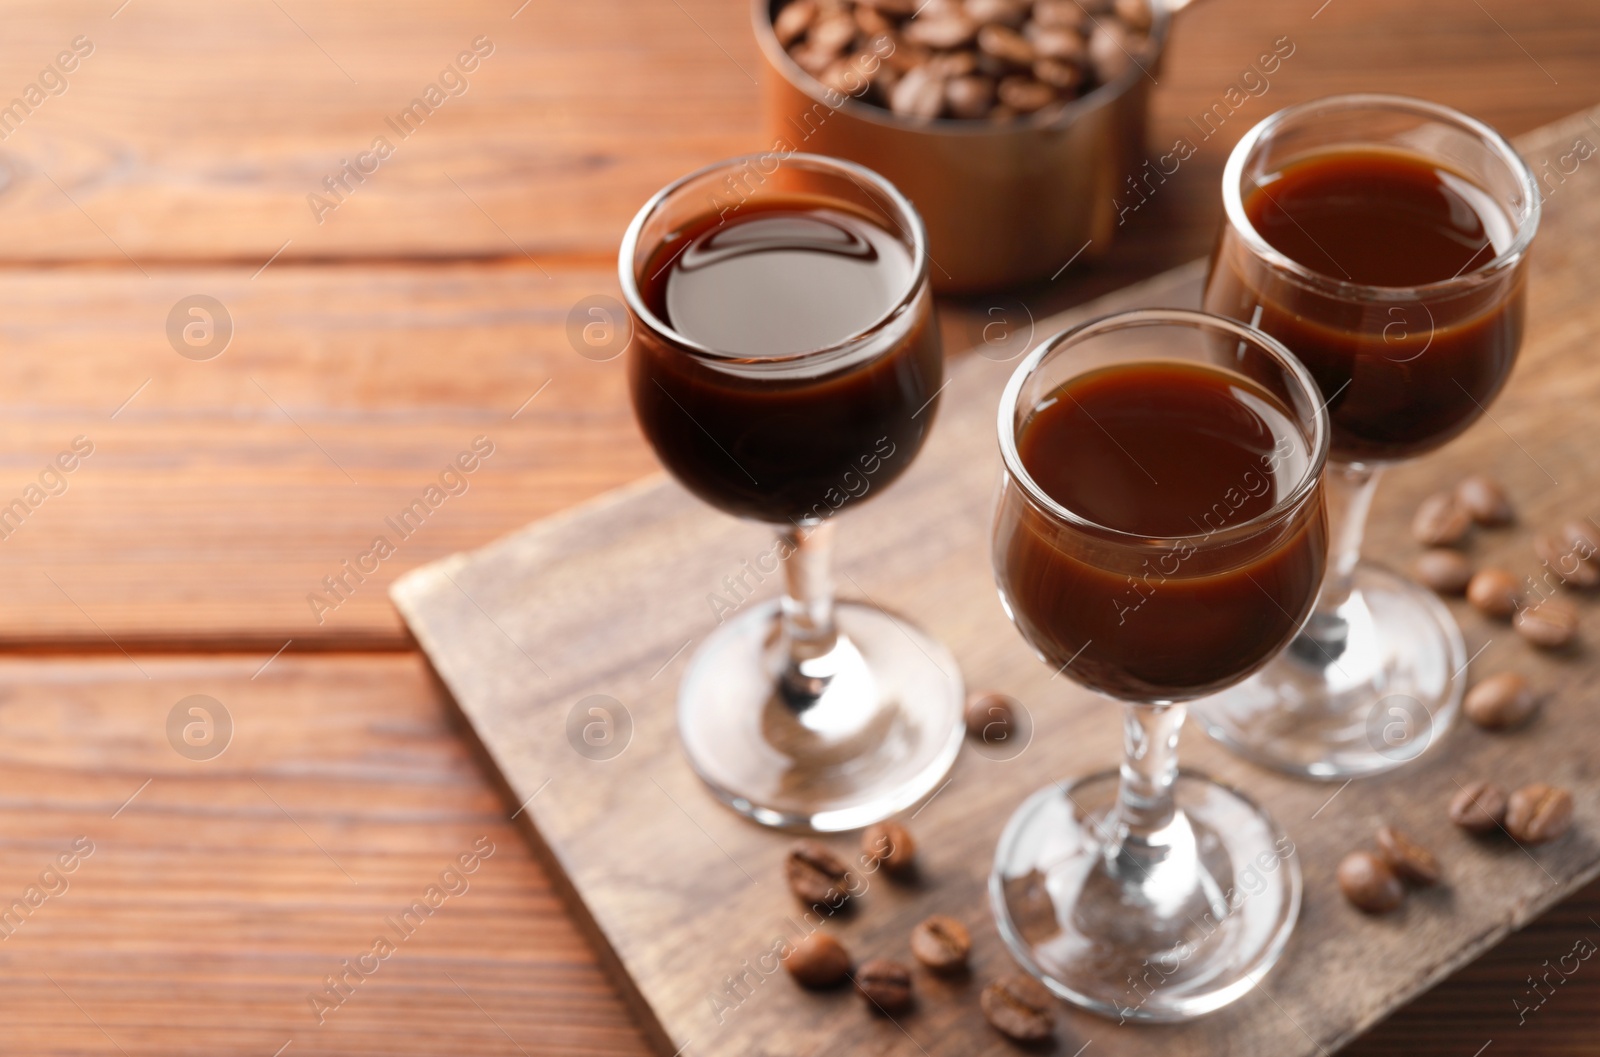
(1044, 54)
(831, 34)
(873, 23)
(1065, 77)
(1007, 45)
(890, 845)
(1408, 859)
(1538, 813)
(1111, 51)
(1484, 500)
(1444, 570)
(954, 30)
(1368, 883)
(1584, 539)
(819, 960)
(952, 64)
(998, 12)
(792, 22)
(1500, 701)
(1549, 625)
(941, 943)
(1066, 14)
(991, 718)
(1559, 557)
(1479, 807)
(1494, 593)
(1135, 14)
(1063, 45)
(969, 97)
(918, 94)
(843, 77)
(1024, 94)
(1440, 521)
(816, 874)
(1019, 1008)
(885, 984)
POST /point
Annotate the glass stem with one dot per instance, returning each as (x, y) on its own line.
(808, 610)
(1348, 491)
(1145, 808)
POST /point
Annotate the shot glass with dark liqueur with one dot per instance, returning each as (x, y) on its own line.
(1159, 536)
(1385, 241)
(786, 366)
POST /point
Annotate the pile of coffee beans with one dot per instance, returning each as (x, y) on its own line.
(1535, 814)
(993, 60)
(1017, 1006)
(1568, 559)
(1373, 882)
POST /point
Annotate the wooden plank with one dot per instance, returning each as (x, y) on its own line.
(220, 495)
(604, 600)
(209, 512)
(205, 915)
(223, 492)
(197, 132)
(219, 893)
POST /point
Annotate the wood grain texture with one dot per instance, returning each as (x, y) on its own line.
(196, 132)
(603, 600)
(218, 498)
(185, 148)
(220, 893)
(223, 492)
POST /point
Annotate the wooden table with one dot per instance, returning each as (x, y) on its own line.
(209, 898)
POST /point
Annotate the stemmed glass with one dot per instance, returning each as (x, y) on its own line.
(1378, 673)
(798, 712)
(1148, 893)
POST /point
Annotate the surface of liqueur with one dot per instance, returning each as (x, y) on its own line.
(1407, 371)
(812, 362)
(1173, 589)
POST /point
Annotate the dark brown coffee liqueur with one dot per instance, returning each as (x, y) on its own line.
(1389, 219)
(816, 875)
(885, 984)
(743, 417)
(941, 943)
(819, 960)
(1151, 449)
(1019, 1008)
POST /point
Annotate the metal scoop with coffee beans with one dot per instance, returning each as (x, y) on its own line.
(994, 60)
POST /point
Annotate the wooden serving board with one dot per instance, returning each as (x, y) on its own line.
(683, 897)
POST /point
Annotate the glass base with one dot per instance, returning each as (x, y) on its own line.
(882, 734)
(1364, 696)
(1162, 942)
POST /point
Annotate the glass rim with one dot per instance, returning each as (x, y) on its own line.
(1097, 98)
(1157, 317)
(858, 174)
(1233, 198)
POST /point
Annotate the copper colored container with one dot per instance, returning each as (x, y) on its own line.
(1003, 203)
